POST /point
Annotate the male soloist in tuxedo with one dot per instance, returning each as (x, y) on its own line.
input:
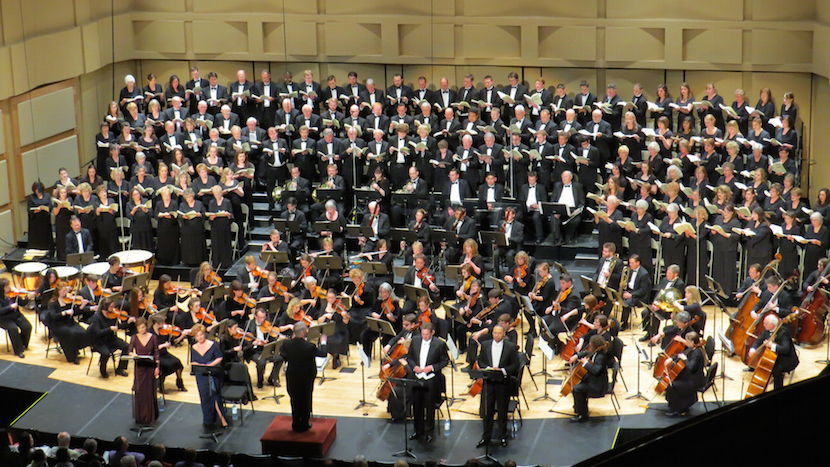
(426, 359)
(500, 355)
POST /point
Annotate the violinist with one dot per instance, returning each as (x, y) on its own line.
(386, 308)
(273, 288)
(782, 345)
(186, 319)
(67, 332)
(462, 293)
(231, 345)
(236, 306)
(513, 230)
(12, 320)
(91, 293)
(206, 277)
(378, 222)
(332, 279)
(782, 305)
(250, 275)
(104, 340)
(112, 279)
(469, 306)
(335, 311)
(164, 298)
(286, 321)
(417, 275)
(263, 333)
(275, 243)
(169, 363)
(303, 270)
(543, 292)
(595, 382)
(395, 405)
(520, 274)
(362, 302)
(472, 258)
(681, 394)
(565, 311)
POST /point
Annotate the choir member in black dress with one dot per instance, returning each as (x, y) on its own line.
(220, 213)
(787, 245)
(71, 336)
(168, 229)
(639, 236)
(12, 320)
(103, 337)
(725, 250)
(145, 402)
(62, 210)
(139, 211)
(681, 394)
(40, 220)
(609, 230)
(129, 93)
(106, 212)
(85, 205)
(759, 246)
(193, 250)
(819, 238)
(672, 243)
(206, 353)
(595, 382)
(203, 183)
(697, 253)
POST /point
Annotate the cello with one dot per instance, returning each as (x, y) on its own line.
(671, 371)
(674, 348)
(740, 322)
(395, 369)
(579, 371)
(764, 361)
(576, 335)
(813, 313)
(757, 326)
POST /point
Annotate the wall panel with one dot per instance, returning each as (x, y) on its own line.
(491, 42)
(625, 80)
(2, 135)
(414, 40)
(7, 232)
(713, 10)
(571, 77)
(5, 197)
(568, 42)
(210, 37)
(59, 57)
(713, 45)
(46, 116)
(725, 82)
(781, 47)
(41, 17)
(343, 39)
(255, 6)
(634, 44)
(776, 10)
(47, 159)
(561, 8)
(159, 36)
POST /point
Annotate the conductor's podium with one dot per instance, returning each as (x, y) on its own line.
(280, 440)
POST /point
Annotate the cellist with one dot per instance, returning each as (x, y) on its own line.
(782, 345)
(595, 382)
(681, 394)
(395, 405)
(676, 331)
(810, 282)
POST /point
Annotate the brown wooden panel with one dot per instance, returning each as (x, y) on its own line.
(713, 45)
(634, 44)
(165, 6)
(770, 47)
(711, 10)
(302, 38)
(47, 59)
(100, 10)
(364, 71)
(273, 38)
(6, 81)
(776, 10)
(383, 7)
(346, 39)
(41, 17)
(571, 77)
(557, 9)
(432, 73)
(164, 69)
(227, 37)
(159, 36)
(491, 42)
(258, 6)
(568, 42)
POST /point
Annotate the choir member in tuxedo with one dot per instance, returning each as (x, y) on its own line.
(449, 128)
(351, 158)
(545, 123)
(638, 105)
(308, 119)
(586, 170)
(513, 230)
(490, 96)
(240, 98)
(546, 96)
(422, 94)
(515, 91)
(609, 230)
(296, 239)
(534, 194)
(467, 93)
(612, 113)
(468, 163)
(595, 381)
(499, 354)
(274, 163)
(215, 94)
(176, 113)
(428, 117)
(78, 239)
(303, 155)
(563, 313)
(601, 134)
(782, 345)
(377, 153)
(170, 141)
(335, 117)
(584, 102)
(378, 222)
(400, 158)
(400, 115)
(444, 97)
(400, 92)
(353, 89)
(571, 194)
(372, 96)
(715, 110)
(285, 116)
(653, 314)
(569, 124)
(464, 228)
(104, 340)
(637, 290)
(331, 91)
(414, 185)
(196, 95)
(521, 122)
(427, 355)
(327, 152)
(543, 293)
(561, 102)
(489, 193)
(299, 377)
(491, 158)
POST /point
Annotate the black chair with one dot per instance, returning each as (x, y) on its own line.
(615, 403)
(514, 405)
(528, 354)
(709, 382)
(237, 387)
(709, 347)
(617, 346)
(115, 353)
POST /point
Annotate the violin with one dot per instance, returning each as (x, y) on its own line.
(425, 277)
(258, 272)
(278, 289)
(245, 300)
(483, 313)
(358, 292)
(213, 279)
(269, 330)
(388, 308)
(120, 315)
(170, 289)
(339, 307)
(76, 299)
(240, 334)
(147, 306)
(205, 316)
(521, 273)
(170, 330)
(120, 272)
(301, 316)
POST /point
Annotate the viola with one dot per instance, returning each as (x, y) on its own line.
(246, 301)
(301, 316)
(278, 289)
(425, 277)
(579, 371)
(339, 307)
(269, 330)
(213, 279)
(240, 334)
(388, 308)
(259, 272)
(170, 330)
(521, 273)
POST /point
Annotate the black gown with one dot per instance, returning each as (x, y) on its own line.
(167, 252)
(62, 227)
(695, 262)
(725, 252)
(70, 335)
(812, 253)
(107, 231)
(194, 250)
(141, 227)
(674, 247)
(210, 387)
(682, 393)
(789, 250)
(40, 223)
(220, 234)
(611, 232)
(639, 242)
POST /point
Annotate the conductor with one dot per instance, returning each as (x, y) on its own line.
(299, 354)
(499, 354)
(426, 358)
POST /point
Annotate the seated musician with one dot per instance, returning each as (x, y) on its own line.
(417, 248)
(571, 194)
(420, 225)
(168, 362)
(636, 291)
(468, 307)
(521, 274)
(782, 345)
(293, 312)
(693, 307)
(748, 286)
(362, 298)
(313, 298)
(412, 185)
(609, 270)
(250, 275)
(486, 332)
(61, 318)
(463, 227)
(235, 306)
(654, 314)
(564, 313)
(103, 338)
(164, 298)
(296, 239)
(384, 257)
(275, 243)
(681, 394)
(815, 279)
(254, 350)
(189, 318)
(331, 181)
(599, 327)
(338, 232)
(395, 405)
(595, 382)
(231, 345)
(489, 193)
(378, 222)
(112, 279)
(542, 293)
(385, 308)
(676, 331)
(782, 304)
(91, 293)
(331, 277)
(473, 258)
(272, 289)
(513, 230)
(206, 277)
(333, 310)
(417, 275)
(462, 293)
(498, 307)
(304, 269)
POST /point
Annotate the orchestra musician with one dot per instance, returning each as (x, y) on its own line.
(520, 274)
(654, 314)
(681, 394)
(782, 345)
(782, 304)
(675, 332)
(636, 290)
(169, 363)
(463, 227)
(275, 243)
(543, 292)
(378, 222)
(499, 307)
(250, 275)
(253, 350)
(362, 298)
(297, 240)
(564, 312)
(333, 310)
(61, 321)
(513, 230)
(103, 338)
(595, 382)
(386, 308)
(395, 406)
(91, 294)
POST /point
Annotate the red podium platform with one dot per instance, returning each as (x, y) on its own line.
(280, 439)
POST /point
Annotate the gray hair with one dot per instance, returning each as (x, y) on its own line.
(309, 280)
(519, 107)
(684, 316)
(128, 461)
(360, 461)
(756, 146)
(331, 204)
(328, 131)
(250, 119)
(370, 81)
(816, 216)
(300, 328)
(654, 146)
(672, 207)
(641, 203)
(129, 79)
(387, 287)
(674, 268)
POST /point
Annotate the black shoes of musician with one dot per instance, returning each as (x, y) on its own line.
(579, 419)
(504, 442)
(414, 436)
(624, 328)
(645, 338)
(259, 384)
(105, 375)
(21, 355)
(467, 369)
(428, 439)
(274, 382)
(482, 442)
(121, 372)
(672, 414)
(335, 364)
(180, 385)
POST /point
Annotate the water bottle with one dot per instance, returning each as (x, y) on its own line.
(235, 412)
(447, 427)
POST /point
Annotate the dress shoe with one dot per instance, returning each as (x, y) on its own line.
(504, 442)
(121, 372)
(180, 385)
(624, 328)
(428, 439)
(21, 355)
(105, 375)
(672, 414)
(481, 442)
(335, 364)
(259, 384)
(579, 419)
(394, 420)
(414, 436)
(645, 338)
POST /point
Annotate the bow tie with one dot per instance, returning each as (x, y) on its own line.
(568, 185)
(455, 183)
(444, 92)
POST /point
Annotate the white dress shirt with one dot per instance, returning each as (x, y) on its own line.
(422, 358)
(567, 196)
(531, 196)
(455, 193)
(496, 351)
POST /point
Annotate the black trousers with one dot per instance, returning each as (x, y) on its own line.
(20, 330)
(256, 357)
(496, 396)
(300, 389)
(106, 349)
(424, 401)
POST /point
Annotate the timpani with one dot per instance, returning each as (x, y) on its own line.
(29, 275)
(67, 274)
(138, 261)
(96, 269)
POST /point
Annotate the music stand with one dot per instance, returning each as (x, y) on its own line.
(547, 354)
(487, 374)
(365, 362)
(80, 259)
(549, 209)
(357, 230)
(330, 193)
(272, 307)
(453, 350)
(502, 285)
(268, 351)
(404, 235)
(140, 429)
(287, 226)
(400, 271)
(452, 272)
(134, 281)
(210, 372)
(591, 286)
(445, 236)
(326, 226)
(274, 257)
(405, 199)
(414, 293)
(405, 383)
(648, 362)
(493, 239)
(327, 263)
(380, 326)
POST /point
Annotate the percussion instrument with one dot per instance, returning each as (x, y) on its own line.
(67, 274)
(138, 261)
(95, 269)
(29, 275)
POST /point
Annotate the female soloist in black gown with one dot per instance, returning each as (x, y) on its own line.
(146, 409)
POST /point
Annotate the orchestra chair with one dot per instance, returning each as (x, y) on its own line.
(443, 399)
(237, 388)
(43, 305)
(514, 405)
(112, 355)
(709, 382)
(615, 403)
(123, 225)
(246, 220)
(322, 363)
(192, 275)
(235, 240)
(617, 346)
(709, 347)
(8, 339)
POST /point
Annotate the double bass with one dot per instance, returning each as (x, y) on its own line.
(812, 313)
(674, 348)
(764, 360)
(581, 330)
(740, 322)
(757, 326)
(579, 371)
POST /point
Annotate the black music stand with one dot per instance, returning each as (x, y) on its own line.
(374, 268)
(414, 293)
(314, 333)
(405, 199)
(502, 285)
(272, 307)
(452, 272)
(357, 230)
(493, 239)
(274, 257)
(326, 226)
(327, 263)
(380, 327)
(591, 286)
(140, 429)
(210, 372)
(365, 362)
(487, 374)
(543, 344)
(288, 227)
(80, 259)
(404, 235)
(403, 384)
(335, 194)
(269, 350)
(135, 281)
(549, 209)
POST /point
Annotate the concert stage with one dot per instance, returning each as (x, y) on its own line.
(93, 412)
